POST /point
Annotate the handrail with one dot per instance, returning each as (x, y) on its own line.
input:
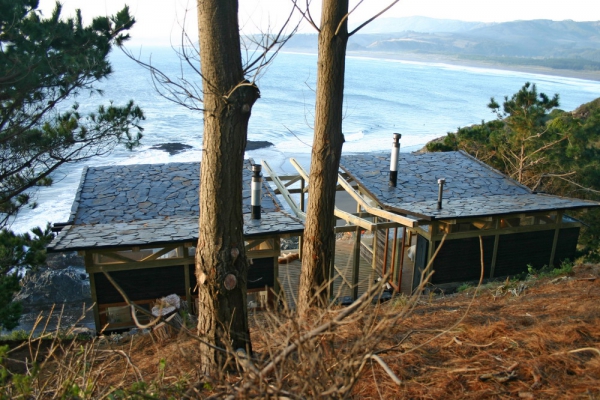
(284, 192)
(405, 221)
(353, 219)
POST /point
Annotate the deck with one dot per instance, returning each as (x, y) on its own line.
(289, 274)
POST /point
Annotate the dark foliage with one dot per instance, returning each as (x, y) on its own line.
(545, 148)
(17, 254)
(45, 63)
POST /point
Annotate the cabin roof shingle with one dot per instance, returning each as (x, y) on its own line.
(472, 188)
(132, 205)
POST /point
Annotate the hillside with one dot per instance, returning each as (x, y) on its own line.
(542, 43)
(538, 338)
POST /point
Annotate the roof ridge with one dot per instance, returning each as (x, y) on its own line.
(75, 205)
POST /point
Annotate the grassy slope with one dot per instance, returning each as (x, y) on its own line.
(534, 339)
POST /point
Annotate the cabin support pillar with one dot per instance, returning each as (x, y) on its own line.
(303, 209)
(400, 259)
(277, 251)
(374, 247)
(495, 251)
(559, 215)
(188, 289)
(356, 259)
(89, 263)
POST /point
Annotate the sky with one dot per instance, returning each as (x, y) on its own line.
(159, 21)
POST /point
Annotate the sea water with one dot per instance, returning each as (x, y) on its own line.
(422, 101)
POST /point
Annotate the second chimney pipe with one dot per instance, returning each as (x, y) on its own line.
(256, 191)
(441, 189)
(394, 160)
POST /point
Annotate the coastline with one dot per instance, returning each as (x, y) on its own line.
(456, 61)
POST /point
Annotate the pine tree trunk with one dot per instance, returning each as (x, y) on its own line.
(221, 264)
(325, 159)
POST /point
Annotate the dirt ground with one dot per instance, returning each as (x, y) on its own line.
(536, 339)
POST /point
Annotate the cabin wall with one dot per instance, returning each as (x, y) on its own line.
(518, 250)
(261, 273)
(459, 259)
(141, 284)
(144, 279)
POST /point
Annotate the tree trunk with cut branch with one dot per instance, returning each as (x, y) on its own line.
(221, 263)
(326, 154)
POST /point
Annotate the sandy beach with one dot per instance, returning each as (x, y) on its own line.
(453, 60)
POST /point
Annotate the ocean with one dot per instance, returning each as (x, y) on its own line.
(422, 101)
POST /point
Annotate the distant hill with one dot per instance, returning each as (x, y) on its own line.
(554, 44)
(419, 24)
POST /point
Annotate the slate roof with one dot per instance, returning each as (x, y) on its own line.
(472, 188)
(132, 205)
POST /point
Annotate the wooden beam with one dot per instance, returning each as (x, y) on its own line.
(188, 287)
(291, 181)
(555, 240)
(254, 243)
(138, 265)
(158, 254)
(89, 262)
(348, 217)
(284, 192)
(504, 231)
(118, 257)
(277, 250)
(356, 260)
(405, 221)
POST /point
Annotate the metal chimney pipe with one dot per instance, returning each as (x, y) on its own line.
(394, 160)
(256, 190)
(441, 182)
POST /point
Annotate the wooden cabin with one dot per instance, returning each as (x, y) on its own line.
(139, 224)
(517, 227)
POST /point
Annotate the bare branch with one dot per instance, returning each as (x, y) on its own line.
(306, 14)
(346, 17)
(373, 18)
(268, 43)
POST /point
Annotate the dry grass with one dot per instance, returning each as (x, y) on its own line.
(543, 343)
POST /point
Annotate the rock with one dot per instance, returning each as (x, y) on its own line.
(172, 148)
(257, 144)
(64, 260)
(51, 286)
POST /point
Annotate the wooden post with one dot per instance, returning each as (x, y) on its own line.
(385, 252)
(495, 251)
(434, 227)
(188, 289)
(356, 260)
(558, 223)
(89, 263)
(375, 246)
(394, 263)
(401, 263)
(302, 183)
(302, 208)
(277, 251)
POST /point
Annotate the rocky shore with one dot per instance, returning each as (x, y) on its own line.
(59, 293)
